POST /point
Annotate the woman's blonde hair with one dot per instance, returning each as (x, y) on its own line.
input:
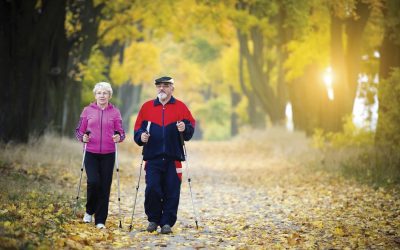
(103, 85)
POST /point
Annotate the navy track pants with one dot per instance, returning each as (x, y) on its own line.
(163, 187)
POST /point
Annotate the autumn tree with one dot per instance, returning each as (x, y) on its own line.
(45, 50)
(34, 57)
(119, 26)
(254, 28)
(82, 25)
(344, 24)
(348, 22)
(387, 135)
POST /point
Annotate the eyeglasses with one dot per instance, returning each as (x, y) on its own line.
(102, 93)
(163, 85)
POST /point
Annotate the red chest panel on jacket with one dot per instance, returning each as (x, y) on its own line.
(163, 115)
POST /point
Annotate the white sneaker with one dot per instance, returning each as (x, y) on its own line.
(100, 226)
(87, 218)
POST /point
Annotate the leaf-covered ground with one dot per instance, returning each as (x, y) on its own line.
(249, 193)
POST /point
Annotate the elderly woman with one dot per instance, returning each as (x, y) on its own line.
(100, 126)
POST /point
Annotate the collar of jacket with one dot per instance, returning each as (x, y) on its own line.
(157, 102)
(94, 105)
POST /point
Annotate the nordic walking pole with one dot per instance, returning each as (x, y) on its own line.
(82, 167)
(140, 174)
(136, 193)
(117, 166)
(189, 179)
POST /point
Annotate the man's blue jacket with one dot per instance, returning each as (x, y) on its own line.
(164, 140)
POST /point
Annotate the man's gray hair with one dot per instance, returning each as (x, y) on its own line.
(103, 85)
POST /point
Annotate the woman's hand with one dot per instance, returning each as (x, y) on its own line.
(85, 138)
(116, 138)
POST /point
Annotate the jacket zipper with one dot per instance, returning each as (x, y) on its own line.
(163, 110)
(101, 129)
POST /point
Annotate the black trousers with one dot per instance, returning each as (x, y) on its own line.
(99, 171)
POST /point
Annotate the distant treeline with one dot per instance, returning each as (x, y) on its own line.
(258, 55)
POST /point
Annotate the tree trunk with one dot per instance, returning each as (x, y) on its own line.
(340, 86)
(258, 81)
(259, 76)
(282, 55)
(34, 52)
(252, 110)
(387, 134)
(257, 116)
(354, 31)
(310, 104)
(12, 112)
(72, 107)
(235, 99)
(129, 96)
(54, 55)
(80, 48)
(346, 64)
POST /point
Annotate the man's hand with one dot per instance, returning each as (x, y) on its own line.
(145, 137)
(181, 126)
(116, 138)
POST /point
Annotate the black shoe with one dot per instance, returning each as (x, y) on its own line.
(166, 229)
(151, 227)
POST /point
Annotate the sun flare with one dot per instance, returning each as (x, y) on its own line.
(328, 80)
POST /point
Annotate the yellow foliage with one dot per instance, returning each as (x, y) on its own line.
(312, 48)
(117, 72)
(229, 61)
(116, 30)
(141, 64)
(351, 136)
(93, 73)
(242, 19)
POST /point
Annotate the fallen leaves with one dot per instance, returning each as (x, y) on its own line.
(294, 239)
(244, 201)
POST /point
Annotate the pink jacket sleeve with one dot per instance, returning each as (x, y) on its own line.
(82, 125)
(118, 126)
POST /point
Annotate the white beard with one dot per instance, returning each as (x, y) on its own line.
(162, 96)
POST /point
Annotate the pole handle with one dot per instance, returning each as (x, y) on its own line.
(144, 143)
(86, 133)
(148, 126)
(147, 132)
(181, 134)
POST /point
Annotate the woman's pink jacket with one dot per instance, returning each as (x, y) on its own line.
(102, 124)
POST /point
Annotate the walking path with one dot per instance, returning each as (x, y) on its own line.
(256, 195)
(260, 192)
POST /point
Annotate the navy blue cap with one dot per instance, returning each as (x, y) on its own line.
(164, 79)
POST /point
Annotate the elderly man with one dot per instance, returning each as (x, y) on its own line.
(158, 128)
